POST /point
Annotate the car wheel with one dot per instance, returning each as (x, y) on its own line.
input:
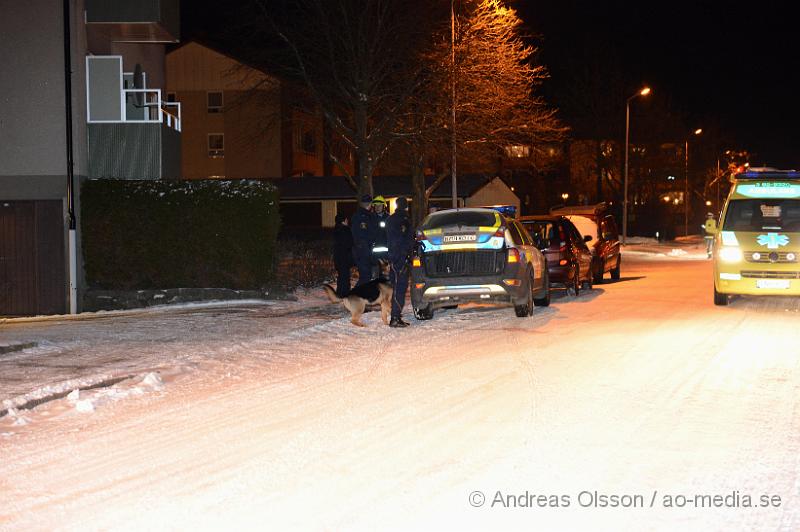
(587, 283)
(597, 272)
(526, 309)
(720, 299)
(615, 270)
(544, 301)
(424, 313)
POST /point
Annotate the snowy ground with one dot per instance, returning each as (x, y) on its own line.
(285, 416)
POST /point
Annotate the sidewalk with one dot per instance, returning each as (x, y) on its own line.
(47, 357)
(692, 247)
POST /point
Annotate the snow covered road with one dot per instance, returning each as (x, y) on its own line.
(286, 417)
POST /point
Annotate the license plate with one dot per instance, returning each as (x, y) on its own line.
(772, 283)
(460, 238)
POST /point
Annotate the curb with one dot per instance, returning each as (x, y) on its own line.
(11, 348)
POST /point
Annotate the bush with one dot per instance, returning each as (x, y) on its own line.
(305, 262)
(170, 234)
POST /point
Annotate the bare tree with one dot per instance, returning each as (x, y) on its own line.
(360, 62)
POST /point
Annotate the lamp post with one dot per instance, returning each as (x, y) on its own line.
(697, 131)
(453, 101)
(643, 92)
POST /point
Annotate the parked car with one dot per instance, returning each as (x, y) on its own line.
(476, 255)
(569, 259)
(595, 221)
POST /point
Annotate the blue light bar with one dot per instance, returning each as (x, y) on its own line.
(772, 174)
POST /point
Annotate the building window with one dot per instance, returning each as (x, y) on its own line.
(309, 142)
(518, 151)
(216, 145)
(214, 100)
(172, 97)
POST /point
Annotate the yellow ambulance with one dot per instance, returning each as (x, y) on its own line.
(757, 244)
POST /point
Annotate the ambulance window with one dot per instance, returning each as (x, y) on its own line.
(763, 215)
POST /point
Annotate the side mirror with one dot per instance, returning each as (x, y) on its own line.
(587, 238)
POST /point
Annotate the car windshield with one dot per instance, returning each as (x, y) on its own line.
(763, 215)
(459, 218)
(585, 225)
(544, 230)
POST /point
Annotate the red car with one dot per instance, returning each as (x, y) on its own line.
(569, 259)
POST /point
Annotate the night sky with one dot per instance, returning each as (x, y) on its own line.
(718, 63)
(736, 66)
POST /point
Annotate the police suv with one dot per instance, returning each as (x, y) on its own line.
(757, 245)
(476, 255)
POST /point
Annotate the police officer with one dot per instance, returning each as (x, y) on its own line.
(342, 254)
(710, 228)
(400, 235)
(380, 249)
(363, 226)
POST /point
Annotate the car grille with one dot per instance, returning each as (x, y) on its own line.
(750, 274)
(450, 263)
(769, 257)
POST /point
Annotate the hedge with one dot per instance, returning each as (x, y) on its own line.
(175, 234)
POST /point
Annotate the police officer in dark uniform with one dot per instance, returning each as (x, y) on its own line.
(400, 235)
(342, 254)
(380, 246)
(363, 227)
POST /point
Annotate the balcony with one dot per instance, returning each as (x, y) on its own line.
(133, 133)
(152, 21)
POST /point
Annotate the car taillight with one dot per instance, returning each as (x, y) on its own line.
(500, 232)
(513, 255)
(562, 262)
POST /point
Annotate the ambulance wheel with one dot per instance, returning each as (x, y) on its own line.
(720, 299)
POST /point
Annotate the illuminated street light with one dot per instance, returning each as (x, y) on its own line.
(643, 92)
(697, 131)
(564, 196)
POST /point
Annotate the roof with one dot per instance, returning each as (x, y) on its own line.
(338, 188)
(584, 210)
(541, 218)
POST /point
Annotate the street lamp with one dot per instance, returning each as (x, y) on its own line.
(643, 92)
(564, 196)
(453, 185)
(697, 131)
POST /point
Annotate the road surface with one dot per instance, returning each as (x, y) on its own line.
(637, 405)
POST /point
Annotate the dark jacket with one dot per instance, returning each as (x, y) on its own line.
(342, 246)
(363, 226)
(400, 234)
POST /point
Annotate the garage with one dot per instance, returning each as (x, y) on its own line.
(32, 264)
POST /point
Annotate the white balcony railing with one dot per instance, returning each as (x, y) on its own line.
(146, 106)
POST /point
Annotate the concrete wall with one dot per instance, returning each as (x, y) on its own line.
(32, 118)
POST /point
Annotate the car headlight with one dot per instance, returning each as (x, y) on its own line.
(730, 254)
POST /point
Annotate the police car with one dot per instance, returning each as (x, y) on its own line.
(476, 255)
(757, 245)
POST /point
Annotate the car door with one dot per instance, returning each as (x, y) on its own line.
(533, 256)
(582, 251)
(610, 237)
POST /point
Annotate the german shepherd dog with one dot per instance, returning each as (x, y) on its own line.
(376, 292)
